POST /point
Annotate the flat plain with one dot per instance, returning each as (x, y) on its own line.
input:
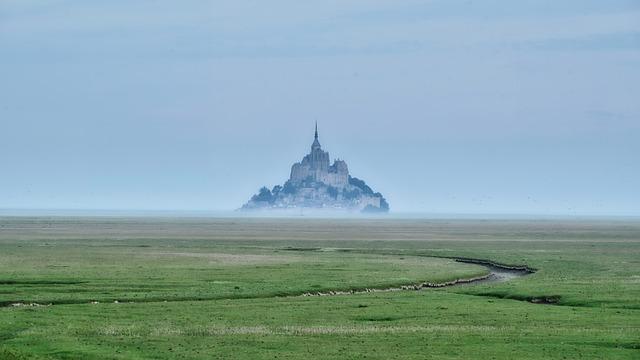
(200, 288)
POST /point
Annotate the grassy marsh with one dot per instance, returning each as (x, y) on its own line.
(211, 288)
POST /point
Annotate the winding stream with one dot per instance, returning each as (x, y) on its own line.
(497, 273)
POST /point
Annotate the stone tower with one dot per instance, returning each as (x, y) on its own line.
(315, 167)
(319, 160)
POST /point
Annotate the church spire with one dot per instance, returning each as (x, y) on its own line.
(316, 143)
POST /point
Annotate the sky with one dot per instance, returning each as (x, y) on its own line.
(444, 106)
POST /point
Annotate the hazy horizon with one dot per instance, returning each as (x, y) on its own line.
(445, 107)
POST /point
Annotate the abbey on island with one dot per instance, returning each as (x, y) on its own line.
(317, 184)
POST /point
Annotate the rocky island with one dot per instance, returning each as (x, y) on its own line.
(316, 184)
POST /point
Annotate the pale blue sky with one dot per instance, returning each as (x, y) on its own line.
(492, 106)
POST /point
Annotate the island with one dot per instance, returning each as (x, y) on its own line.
(314, 183)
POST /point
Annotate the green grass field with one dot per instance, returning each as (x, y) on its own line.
(152, 288)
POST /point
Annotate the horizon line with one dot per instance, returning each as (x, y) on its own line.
(306, 212)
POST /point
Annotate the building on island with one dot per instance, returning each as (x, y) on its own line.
(315, 183)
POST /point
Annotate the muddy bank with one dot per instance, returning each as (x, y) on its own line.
(493, 264)
(499, 272)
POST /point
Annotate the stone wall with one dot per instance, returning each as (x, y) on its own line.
(369, 200)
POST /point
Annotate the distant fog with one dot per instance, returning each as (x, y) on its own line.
(445, 107)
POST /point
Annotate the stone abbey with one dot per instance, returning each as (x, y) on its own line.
(315, 166)
(316, 183)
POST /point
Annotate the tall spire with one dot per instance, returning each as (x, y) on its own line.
(316, 143)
